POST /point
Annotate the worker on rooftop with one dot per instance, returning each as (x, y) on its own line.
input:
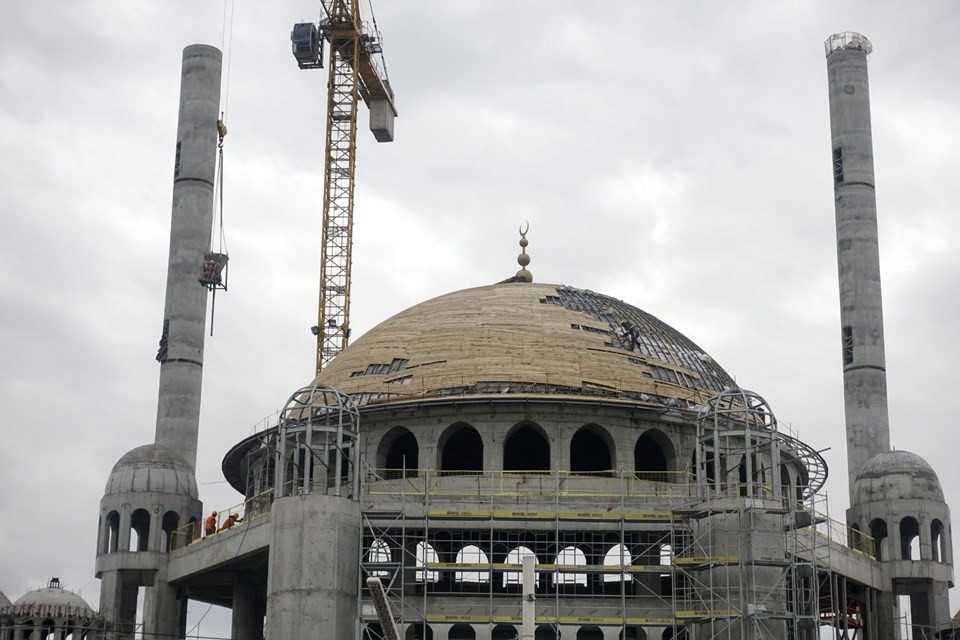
(210, 524)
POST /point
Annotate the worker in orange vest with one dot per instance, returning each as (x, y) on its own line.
(210, 524)
(231, 520)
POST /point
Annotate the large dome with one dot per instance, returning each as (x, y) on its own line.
(530, 339)
(896, 475)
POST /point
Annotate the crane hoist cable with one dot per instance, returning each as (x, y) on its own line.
(214, 274)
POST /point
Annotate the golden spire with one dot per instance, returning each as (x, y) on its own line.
(523, 259)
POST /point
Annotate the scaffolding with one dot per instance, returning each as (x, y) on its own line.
(734, 547)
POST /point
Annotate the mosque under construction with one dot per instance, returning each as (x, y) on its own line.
(654, 498)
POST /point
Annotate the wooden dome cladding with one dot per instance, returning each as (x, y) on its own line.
(530, 339)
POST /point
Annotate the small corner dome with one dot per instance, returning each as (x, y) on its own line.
(54, 595)
(152, 468)
(896, 475)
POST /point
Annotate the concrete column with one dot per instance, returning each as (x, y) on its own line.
(248, 612)
(858, 256)
(123, 537)
(314, 568)
(185, 309)
(118, 603)
(164, 612)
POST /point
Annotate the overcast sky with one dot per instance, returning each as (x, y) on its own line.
(675, 155)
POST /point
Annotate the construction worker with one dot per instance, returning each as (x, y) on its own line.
(210, 524)
(231, 520)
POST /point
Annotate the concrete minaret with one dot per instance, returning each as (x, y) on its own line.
(858, 258)
(185, 310)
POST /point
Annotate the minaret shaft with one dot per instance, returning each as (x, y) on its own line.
(858, 257)
(185, 309)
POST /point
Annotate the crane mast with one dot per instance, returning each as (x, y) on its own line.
(353, 74)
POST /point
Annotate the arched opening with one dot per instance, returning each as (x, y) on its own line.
(472, 554)
(169, 524)
(194, 528)
(878, 531)
(139, 530)
(617, 556)
(633, 632)
(674, 633)
(461, 449)
(909, 539)
(505, 632)
(398, 454)
(515, 556)
(372, 631)
(113, 532)
(589, 633)
(462, 632)
(652, 456)
(426, 553)
(526, 449)
(419, 631)
(378, 553)
(590, 450)
(546, 632)
(785, 482)
(570, 557)
(47, 629)
(937, 545)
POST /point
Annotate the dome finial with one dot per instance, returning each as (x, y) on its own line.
(523, 259)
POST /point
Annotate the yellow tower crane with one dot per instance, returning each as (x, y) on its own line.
(356, 70)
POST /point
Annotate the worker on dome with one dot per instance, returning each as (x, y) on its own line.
(210, 524)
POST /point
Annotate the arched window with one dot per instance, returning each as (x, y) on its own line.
(398, 451)
(462, 632)
(909, 539)
(617, 556)
(461, 449)
(878, 531)
(589, 633)
(426, 553)
(546, 632)
(139, 530)
(472, 554)
(590, 450)
(653, 456)
(570, 556)
(633, 632)
(937, 543)
(419, 631)
(113, 532)
(505, 632)
(169, 524)
(378, 553)
(526, 449)
(516, 557)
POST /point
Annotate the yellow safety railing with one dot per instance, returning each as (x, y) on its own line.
(461, 483)
(839, 532)
(226, 519)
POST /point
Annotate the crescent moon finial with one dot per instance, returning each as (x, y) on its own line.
(523, 259)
